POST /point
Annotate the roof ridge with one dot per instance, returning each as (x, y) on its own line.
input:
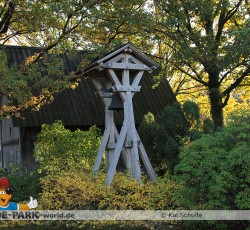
(20, 47)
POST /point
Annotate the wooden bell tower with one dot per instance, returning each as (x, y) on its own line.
(120, 72)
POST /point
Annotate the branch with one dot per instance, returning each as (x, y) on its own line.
(62, 36)
(5, 22)
(6, 38)
(226, 93)
(219, 4)
(3, 8)
(194, 70)
(221, 24)
(191, 76)
(67, 23)
(231, 12)
(226, 100)
(194, 90)
(116, 31)
(233, 68)
(225, 17)
(156, 56)
(165, 42)
(188, 25)
(179, 86)
(182, 35)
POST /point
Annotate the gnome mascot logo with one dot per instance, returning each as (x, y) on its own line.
(6, 194)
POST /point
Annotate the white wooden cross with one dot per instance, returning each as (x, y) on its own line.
(124, 72)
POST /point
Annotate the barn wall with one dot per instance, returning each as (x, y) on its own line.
(28, 136)
(11, 145)
(10, 141)
(1, 152)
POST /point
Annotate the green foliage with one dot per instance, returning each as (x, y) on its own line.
(203, 49)
(147, 131)
(214, 170)
(171, 126)
(192, 114)
(22, 83)
(172, 121)
(78, 189)
(164, 137)
(57, 148)
(24, 184)
(57, 27)
(174, 125)
(91, 225)
(208, 126)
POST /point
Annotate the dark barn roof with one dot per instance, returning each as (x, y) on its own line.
(81, 107)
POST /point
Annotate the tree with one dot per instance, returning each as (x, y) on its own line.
(55, 26)
(172, 129)
(206, 44)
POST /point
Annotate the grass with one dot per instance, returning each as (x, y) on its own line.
(90, 225)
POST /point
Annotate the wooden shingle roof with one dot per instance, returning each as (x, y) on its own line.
(81, 107)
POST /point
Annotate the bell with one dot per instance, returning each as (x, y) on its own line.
(116, 103)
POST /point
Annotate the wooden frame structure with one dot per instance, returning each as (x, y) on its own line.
(121, 72)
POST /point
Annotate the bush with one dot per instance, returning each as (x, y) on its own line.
(165, 136)
(192, 114)
(214, 170)
(24, 184)
(171, 127)
(208, 126)
(57, 148)
(80, 190)
(147, 132)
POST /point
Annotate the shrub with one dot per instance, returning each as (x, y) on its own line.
(56, 148)
(24, 184)
(147, 131)
(214, 170)
(80, 190)
(208, 126)
(165, 136)
(171, 127)
(192, 114)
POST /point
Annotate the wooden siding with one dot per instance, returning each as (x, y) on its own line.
(10, 141)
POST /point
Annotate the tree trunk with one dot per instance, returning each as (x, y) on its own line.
(216, 110)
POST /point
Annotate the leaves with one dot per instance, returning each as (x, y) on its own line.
(202, 47)
(71, 190)
(214, 170)
(57, 27)
(32, 84)
(57, 148)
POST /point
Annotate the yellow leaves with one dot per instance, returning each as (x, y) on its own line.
(34, 103)
(32, 83)
(30, 59)
(76, 189)
(85, 62)
(74, 84)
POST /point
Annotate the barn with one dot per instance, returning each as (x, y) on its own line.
(78, 108)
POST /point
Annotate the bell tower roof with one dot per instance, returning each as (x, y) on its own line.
(95, 68)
